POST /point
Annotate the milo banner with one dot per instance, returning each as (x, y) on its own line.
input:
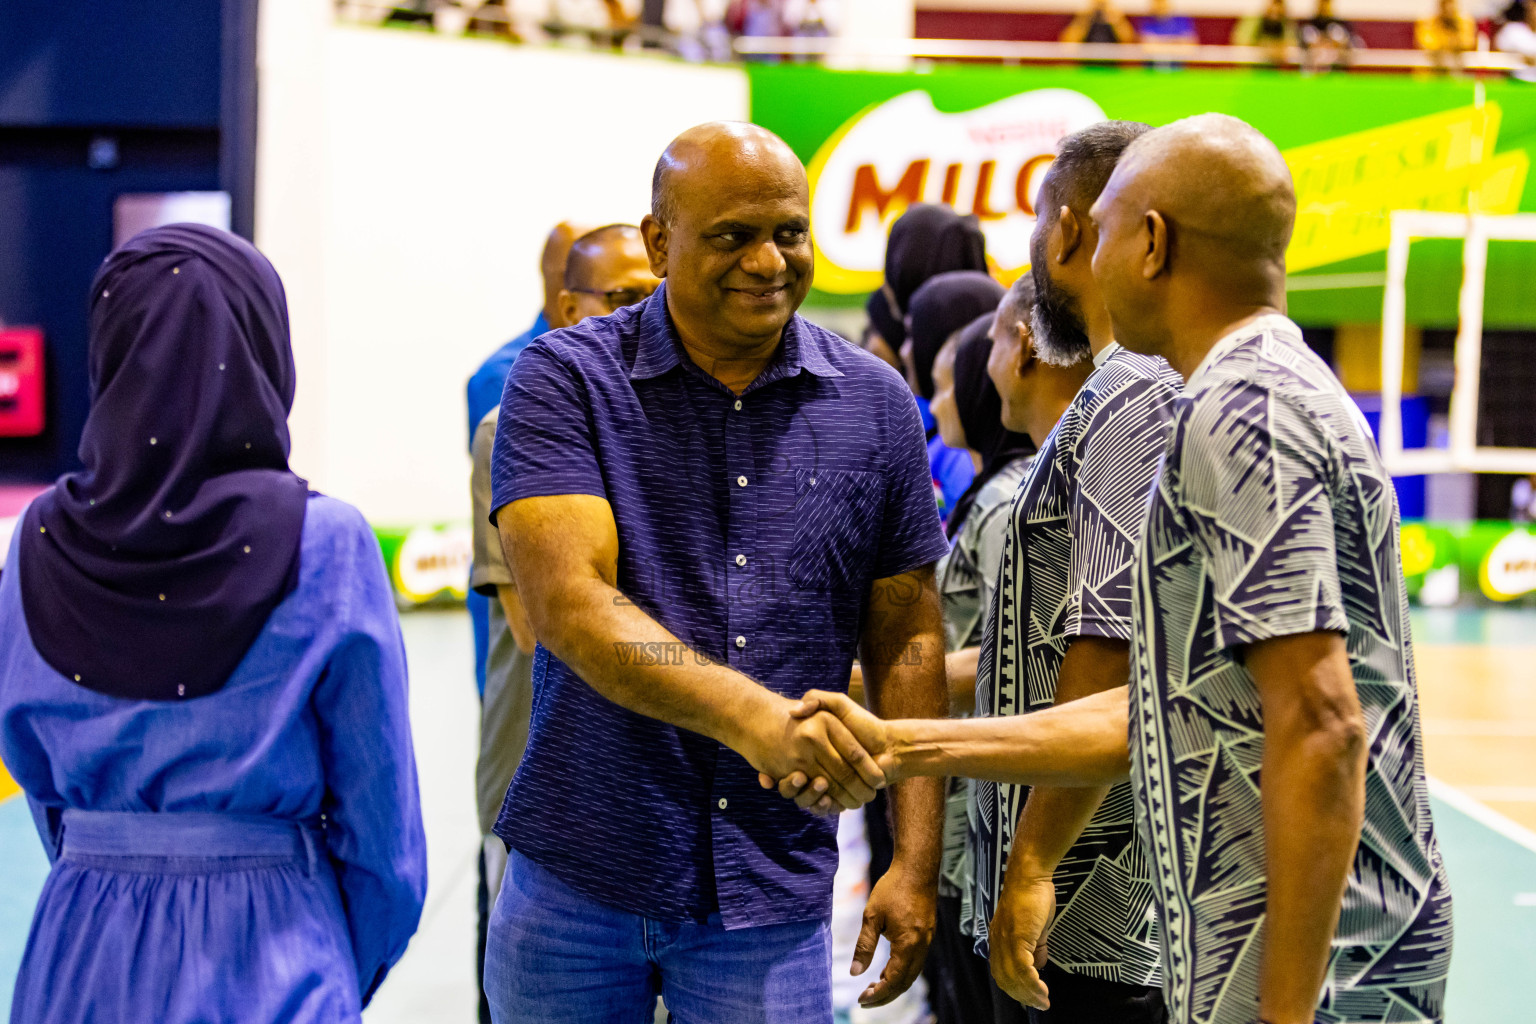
(981, 139)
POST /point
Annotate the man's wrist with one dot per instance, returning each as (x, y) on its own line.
(743, 728)
(1022, 871)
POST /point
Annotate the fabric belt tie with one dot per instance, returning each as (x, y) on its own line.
(191, 834)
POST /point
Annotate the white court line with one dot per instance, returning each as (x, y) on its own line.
(1502, 794)
(1525, 899)
(1483, 814)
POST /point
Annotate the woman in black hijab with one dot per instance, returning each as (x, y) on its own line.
(927, 240)
(942, 306)
(980, 410)
(202, 681)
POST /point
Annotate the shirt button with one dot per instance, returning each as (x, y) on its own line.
(741, 481)
(721, 803)
(741, 641)
(741, 559)
(738, 405)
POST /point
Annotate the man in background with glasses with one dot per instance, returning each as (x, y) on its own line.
(606, 271)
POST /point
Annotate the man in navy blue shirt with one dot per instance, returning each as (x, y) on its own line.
(710, 505)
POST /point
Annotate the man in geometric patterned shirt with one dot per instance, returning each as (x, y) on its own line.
(1273, 714)
(1272, 632)
(1059, 628)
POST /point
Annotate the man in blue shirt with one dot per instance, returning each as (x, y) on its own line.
(484, 394)
(710, 506)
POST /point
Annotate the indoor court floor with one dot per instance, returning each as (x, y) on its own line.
(1477, 681)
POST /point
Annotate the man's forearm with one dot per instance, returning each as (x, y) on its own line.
(1313, 797)
(634, 661)
(1078, 744)
(904, 675)
(1054, 817)
(917, 805)
(960, 670)
(1312, 791)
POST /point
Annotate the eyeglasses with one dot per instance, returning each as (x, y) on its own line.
(619, 297)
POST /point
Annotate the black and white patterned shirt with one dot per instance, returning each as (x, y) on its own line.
(1273, 517)
(966, 577)
(1067, 571)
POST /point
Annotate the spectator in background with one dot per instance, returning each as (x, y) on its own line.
(928, 239)
(1446, 35)
(699, 29)
(943, 305)
(1272, 31)
(1522, 500)
(1100, 22)
(1165, 28)
(484, 390)
(1517, 34)
(1326, 41)
(606, 270)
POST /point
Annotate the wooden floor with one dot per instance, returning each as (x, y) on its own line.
(1477, 693)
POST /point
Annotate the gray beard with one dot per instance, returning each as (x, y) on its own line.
(1060, 338)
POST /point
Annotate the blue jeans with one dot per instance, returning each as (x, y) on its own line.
(554, 956)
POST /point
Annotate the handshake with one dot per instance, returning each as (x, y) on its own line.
(825, 752)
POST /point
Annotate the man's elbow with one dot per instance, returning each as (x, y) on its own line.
(1334, 733)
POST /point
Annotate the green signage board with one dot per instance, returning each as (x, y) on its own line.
(981, 138)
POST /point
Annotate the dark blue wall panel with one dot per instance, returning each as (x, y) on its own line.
(110, 62)
(171, 84)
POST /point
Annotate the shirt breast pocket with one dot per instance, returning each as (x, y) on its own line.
(837, 520)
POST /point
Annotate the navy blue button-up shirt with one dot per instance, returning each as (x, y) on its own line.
(751, 527)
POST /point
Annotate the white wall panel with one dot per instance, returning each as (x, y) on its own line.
(404, 192)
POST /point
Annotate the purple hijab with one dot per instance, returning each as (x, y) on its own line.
(149, 573)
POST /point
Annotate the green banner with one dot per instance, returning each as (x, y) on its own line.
(980, 138)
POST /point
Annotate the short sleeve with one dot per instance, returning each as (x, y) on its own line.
(489, 568)
(1255, 484)
(910, 532)
(1116, 455)
(545, 443)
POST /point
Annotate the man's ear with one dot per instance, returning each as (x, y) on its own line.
(1155, 260)
(1026, 356)
(1071, 234)
(656, 239)
(566, 303)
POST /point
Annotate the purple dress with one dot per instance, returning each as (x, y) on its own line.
(254, 855)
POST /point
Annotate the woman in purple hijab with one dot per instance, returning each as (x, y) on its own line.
(202, 681)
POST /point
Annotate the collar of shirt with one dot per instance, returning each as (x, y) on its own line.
(1267, 322)
(661, 350)
(1106, 354)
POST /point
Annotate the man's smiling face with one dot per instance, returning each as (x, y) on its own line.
(738, 259)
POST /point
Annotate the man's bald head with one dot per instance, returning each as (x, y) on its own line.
(709, 147)
(1220, 179)
(730, 231)
(607, 270)
(1203, 207)
(552, 265)
(590, 249)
